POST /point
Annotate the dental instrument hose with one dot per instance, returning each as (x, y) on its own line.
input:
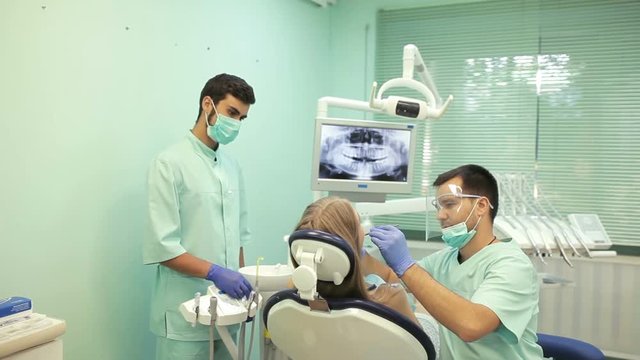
(253, 323)
(213, 310)
(255, 299)
(241, 341)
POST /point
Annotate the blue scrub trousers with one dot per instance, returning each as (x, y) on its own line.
(168, 349)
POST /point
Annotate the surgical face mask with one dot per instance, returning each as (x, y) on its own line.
(225, 130)
(457, 236)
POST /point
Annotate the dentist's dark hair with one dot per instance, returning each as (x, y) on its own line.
(220, 85)
(476, 180)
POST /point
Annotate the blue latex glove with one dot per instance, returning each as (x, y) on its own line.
(229, 281)
(393, 247)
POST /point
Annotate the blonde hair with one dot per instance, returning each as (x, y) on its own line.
(337, 216)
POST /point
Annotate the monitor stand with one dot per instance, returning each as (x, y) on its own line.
(360, 196)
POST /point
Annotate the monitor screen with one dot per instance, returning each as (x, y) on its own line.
(363, 156)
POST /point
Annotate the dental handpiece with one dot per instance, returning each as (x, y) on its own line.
(196, 308)
(395, 226)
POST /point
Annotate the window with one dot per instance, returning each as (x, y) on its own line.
(548, 88)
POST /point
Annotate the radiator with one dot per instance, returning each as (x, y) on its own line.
(601, 306)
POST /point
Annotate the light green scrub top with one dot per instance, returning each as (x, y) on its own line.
(502, 278)
(197, 204)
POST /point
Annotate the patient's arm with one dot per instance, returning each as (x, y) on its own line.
(393, 296)
(371, 265)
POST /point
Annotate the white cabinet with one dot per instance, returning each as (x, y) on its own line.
(34, 338)
(47, 351)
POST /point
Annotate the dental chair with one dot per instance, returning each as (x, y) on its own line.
(305, 326)
(562, 348)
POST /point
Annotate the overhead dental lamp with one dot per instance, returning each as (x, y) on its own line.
(429, 107)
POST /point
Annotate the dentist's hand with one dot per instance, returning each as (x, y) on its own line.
(229, 281)
(393, 246)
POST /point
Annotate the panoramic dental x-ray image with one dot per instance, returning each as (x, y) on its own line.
(364, 153)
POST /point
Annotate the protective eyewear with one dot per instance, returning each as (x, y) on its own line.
(453, 201)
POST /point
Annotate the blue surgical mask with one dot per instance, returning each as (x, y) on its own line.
(225, 130)
(457, 236)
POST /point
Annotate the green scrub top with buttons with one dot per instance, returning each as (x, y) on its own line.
(502, 278)
(197, 204)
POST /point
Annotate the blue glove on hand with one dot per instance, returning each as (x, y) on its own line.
(393, 247)
(229, 281)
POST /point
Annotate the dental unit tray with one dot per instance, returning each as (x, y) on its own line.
(229, 310)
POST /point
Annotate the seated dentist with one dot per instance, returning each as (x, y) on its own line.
(483, 292)
(337, 216)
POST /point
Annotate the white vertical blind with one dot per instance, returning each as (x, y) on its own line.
(544, 87)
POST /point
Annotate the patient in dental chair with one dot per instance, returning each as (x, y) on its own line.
(337, 216)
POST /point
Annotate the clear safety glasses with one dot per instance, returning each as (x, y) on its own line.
(452, 202)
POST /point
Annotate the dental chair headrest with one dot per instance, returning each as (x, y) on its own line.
(334, 257)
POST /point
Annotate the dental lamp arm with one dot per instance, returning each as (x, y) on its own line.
(412, 60)
(326, 101)
(432, 108)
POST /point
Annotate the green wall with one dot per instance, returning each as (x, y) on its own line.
(89, 92)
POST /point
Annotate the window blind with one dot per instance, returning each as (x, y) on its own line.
(543, 87)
